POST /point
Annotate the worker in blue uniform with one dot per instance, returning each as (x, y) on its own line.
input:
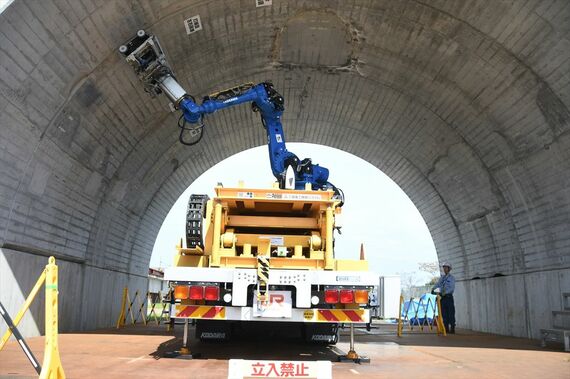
(446, 287)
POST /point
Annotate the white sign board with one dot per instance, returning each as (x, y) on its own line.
(279, 305)
(244, 369)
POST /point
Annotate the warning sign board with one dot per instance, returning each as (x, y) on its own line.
(245, 369)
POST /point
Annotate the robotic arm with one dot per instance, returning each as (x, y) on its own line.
(145, 55)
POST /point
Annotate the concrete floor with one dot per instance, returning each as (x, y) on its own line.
(136, 352)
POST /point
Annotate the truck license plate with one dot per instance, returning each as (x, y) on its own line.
(279, 305)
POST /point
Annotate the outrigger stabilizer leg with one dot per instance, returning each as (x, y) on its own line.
(352, 355)
(184, 352)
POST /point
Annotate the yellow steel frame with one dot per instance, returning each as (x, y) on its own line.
(234, 211)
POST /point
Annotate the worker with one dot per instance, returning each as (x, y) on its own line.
(446, 286)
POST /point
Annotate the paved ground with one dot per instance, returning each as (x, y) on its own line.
(136, 352)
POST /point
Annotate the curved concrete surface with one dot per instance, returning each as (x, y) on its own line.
(464, 104)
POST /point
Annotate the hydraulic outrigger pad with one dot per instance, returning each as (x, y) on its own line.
(352, 355)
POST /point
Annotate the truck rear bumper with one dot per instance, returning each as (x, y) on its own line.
(302, 280)
(211, 312)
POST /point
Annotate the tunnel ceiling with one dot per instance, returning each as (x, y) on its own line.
(465, 104)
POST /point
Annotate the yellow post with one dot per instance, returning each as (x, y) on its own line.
(400, 324)
(440, 326)
(329, 264)
(24, 308)
(215, 261)
(122, 316)
(51, 367)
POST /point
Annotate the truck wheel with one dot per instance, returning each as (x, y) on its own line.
(195, 214)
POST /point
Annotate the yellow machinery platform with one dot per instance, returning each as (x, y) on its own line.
(292, 227)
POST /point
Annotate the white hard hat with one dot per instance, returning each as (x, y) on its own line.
(446, 264)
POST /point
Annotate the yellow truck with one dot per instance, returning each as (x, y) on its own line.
(256, 255)
(267, 255)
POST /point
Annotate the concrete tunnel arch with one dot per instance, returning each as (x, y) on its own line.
(464, 105)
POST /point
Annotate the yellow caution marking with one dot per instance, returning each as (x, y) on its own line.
(201, 312)
(340, 315)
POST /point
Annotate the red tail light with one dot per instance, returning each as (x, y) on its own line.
(212, 293)
(331, 296)
(346, 296)
(196, 292)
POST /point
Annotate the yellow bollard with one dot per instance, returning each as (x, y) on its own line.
(440, 326)
(122, 316)
(51, 367)
(400, 323)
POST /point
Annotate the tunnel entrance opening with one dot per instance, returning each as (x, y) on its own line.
(377, 212)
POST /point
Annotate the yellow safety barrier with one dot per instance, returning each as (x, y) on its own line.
(141, 309)
(415, 314)
(153, 312)
(51, 366)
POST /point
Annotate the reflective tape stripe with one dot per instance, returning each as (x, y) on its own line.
(213, 312)
(353, 316)
(186, 310)
(200, 311)
(341, 315)
(326, 315)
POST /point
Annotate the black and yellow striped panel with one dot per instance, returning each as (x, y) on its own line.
(263, 268)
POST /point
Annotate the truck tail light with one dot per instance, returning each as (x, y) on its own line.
(346, 296)
(361, 296)
(196, 292)
(331, 296)
(212, 293)
(181, 292)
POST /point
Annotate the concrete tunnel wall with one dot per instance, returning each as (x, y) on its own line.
(464, 104)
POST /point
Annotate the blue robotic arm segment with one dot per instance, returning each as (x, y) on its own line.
(144, 53)
(269, 104)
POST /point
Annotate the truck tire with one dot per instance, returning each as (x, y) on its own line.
(195, 214)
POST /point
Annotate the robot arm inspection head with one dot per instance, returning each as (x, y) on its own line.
(145, 55)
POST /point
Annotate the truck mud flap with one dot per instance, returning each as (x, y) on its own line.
(321, 333)
(210, 330)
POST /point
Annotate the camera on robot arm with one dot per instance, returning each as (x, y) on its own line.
(145, 55)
